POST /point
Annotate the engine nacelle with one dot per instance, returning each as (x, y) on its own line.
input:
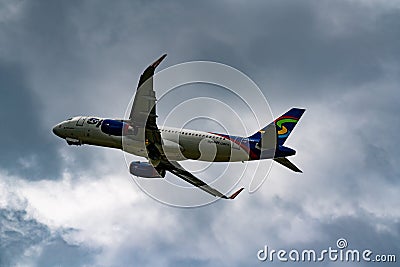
(144, 169)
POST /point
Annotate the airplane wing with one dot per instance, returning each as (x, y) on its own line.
(143, 113)
(143, 121)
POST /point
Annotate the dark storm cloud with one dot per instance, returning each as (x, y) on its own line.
(301, 41)
(310, 48)
(27, 149)
(313, 49)
(41, 72)
(38, 44)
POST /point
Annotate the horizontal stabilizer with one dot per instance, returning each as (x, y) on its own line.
(285, 162)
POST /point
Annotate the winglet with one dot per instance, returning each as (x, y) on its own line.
(236, 193)
(158, 61)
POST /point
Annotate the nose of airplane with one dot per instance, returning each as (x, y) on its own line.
(57, 130)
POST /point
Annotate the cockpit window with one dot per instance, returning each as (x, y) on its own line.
(69, 119)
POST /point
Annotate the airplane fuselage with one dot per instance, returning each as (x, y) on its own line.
(178, 144)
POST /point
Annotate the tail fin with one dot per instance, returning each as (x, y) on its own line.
(286, 123)
(283, 125)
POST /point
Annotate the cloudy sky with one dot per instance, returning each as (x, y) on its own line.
(70, 206)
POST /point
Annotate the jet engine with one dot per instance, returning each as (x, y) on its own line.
(145, 169)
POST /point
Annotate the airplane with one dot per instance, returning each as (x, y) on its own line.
(163, 147)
